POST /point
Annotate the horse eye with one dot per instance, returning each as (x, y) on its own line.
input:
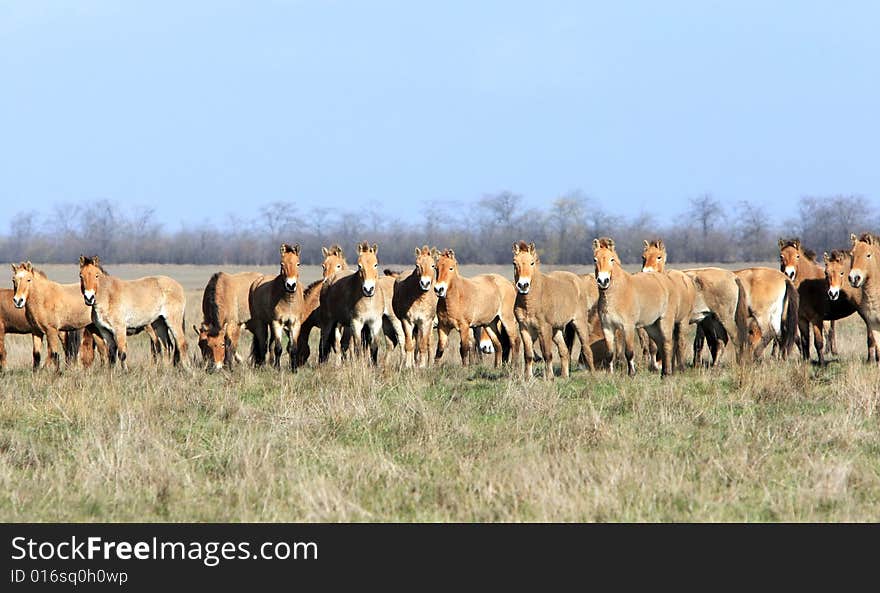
(533, 263)
(338, 266)
(450, 269)
(659, 258)
(375, 265)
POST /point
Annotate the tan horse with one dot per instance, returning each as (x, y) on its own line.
(630, 301)
(120, 306)
(14, 321)
(357, 301)
(545, 305)
(684, 294)
(276, 304)
(415, 304)
(467, 303)
(53, 310)
(773, 307)
(719, 306)
(225, 311)
(334, 261)
(864, 274)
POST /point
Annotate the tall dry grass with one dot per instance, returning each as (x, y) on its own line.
(777, 441)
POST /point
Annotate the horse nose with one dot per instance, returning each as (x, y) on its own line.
(290, 285)
(602, 282)
(790, 274)
(522, 286)
(855, 279)
(425, 284)
(833, 293)
(369, 290)
(18, 302)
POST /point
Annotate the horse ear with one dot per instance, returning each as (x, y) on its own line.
(781, 243)
(797, 244)
(451, 253)
(296, 249)
(515, 247)
(96, 260)
(82, 260)
(610, 243)
(645, 241)
(532, 249)
(853, 238)
(595, 244)
(29, 266)
(435, 253)
(375, 248)
(418, 252)
(325, 252)
(825, 257)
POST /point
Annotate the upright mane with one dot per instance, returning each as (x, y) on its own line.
(869, 238)
(838, 256)
(210, 310)
(92, 260)
(312, 286)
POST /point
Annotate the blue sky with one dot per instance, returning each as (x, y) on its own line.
(202, 108)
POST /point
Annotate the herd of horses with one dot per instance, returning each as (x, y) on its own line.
(356, 308)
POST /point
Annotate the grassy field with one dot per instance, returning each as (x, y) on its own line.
(777, 441)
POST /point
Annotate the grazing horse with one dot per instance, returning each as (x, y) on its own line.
(334, 261)
(13, 320)
(467, 303)
(119, 307)
(225, 311)
(719, 304)
(773, 307)
(864, 274)
(276, 303)
(684, 294)
(415, 304)
(53, 309)
(630, 301)
(545, 305)
(356, 301)
(814, 306)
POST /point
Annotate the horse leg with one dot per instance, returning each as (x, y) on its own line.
(464, 347)
(292, 341)
(233, 334)
(819, 341)
(610, 335)
(699, 341)
(302, 344)
(87, 348)
(277, 346)
(629, 339)
(678, 345)
(528, 351)
(545, 337)
(582, 328)
(564, 353)
(155, 345)
(37, 340)
(121, 344)
(2, 349)
(396, 326)
(355, 337)
(496, 345)
(409, 346)
(442, 338)
(53, 341)
(424, 342)
(804, 338)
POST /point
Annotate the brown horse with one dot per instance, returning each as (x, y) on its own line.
(356, 301)
(415, 304)
(276, 303)
(684, 294)
(225, 311)
(629, 301)
(545, 305)
(119, 307)
(864, 274)
(844, 299)
(467, 303)
(334, 261)
(14, 321)
(815, 308)
(56, 312)
(773, 307)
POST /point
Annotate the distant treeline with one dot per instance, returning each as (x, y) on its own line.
(480, 232)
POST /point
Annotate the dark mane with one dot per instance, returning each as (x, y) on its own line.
(793, 242)
(869, 238)
(838, 255)
(312, 286)
(657, 244)
(522, 246)
(210, 311)
(93, 261)
(810, 254)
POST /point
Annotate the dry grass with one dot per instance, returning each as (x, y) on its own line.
(774, 442)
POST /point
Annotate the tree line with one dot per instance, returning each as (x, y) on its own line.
(482, 232)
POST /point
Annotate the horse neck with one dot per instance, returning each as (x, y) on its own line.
(619, 276)
(809, 270)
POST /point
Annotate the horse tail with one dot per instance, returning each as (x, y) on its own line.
(504, 338)
(790, 317)
(259, 349)
(392, 273)
(741, 318)
(72, 340)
